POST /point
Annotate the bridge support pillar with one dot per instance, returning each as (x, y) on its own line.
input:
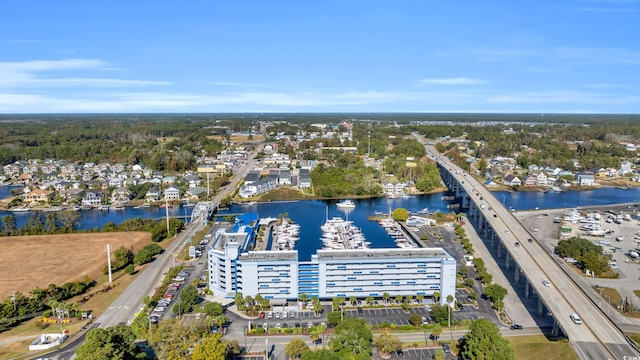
(499, 249)
(516, 274)
(554, 329)
(540, 309)
(527, 289)
(507, 260)
(493, 238)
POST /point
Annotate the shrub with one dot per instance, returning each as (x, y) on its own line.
(130, 269)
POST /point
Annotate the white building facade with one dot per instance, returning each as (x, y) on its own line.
(329, 273)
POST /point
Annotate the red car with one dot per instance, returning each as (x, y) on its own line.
(261, 314)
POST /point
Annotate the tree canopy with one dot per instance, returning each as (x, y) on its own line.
(352, 339)
(116, 342)
(484, 342)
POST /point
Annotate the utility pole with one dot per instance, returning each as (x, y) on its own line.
(109, 261)
(166, 208)
(369, 147)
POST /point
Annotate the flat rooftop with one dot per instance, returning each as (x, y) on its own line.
(384, 253)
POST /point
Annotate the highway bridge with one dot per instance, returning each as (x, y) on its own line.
(597, 337)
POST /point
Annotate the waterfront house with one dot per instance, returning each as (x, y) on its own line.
(541, 179)
(71, 194)
(304, 179)
(530, 180)
(258, 187)
(172, 193)
(121, 195)
(92, 198)
(153, 194)
(585, 179)
(511, 180)
(490, 183)
(285, 177)
(37, 196)
(195, 192)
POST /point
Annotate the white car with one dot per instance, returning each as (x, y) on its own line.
(546, 283)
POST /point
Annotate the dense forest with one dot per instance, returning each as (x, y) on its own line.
(162, 143)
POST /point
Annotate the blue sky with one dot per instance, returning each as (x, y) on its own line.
(568, 56)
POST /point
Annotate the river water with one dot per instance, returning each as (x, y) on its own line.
(310, 214)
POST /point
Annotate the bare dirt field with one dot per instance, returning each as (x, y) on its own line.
(27, 262)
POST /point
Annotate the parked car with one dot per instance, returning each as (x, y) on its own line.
(515, 327)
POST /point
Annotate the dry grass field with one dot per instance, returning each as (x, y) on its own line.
(27, 262)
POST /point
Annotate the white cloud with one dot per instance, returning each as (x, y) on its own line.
(453, 81)
(51, 65)
(27, 74)
(234, 84)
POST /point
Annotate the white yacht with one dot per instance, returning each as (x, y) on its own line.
(347, 204)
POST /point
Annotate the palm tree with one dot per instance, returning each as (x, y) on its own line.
(420, 298)
(353, 300)
(369, 300)
(314, 336)
(304, 297)
(76, 308)
(436, 296)
(408, 298)
(249, 303)
(399, 299)
(386, 298)
(449, 301)
(53, 304)
(266, 304)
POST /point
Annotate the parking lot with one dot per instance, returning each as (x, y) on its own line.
(397, 316)
(413, 354)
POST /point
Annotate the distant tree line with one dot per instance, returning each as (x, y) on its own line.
(63, 222)
(163, 143)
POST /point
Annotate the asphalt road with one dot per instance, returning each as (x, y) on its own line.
(597, 337)
(129, 303)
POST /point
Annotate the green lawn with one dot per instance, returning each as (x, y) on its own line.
(539, 347)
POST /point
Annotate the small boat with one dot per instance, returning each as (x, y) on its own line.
(346, 204)
(115, 208)
(103, 207)
(20, 209)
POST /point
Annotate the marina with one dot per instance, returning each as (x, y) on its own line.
(341, 234)
(285, 235)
